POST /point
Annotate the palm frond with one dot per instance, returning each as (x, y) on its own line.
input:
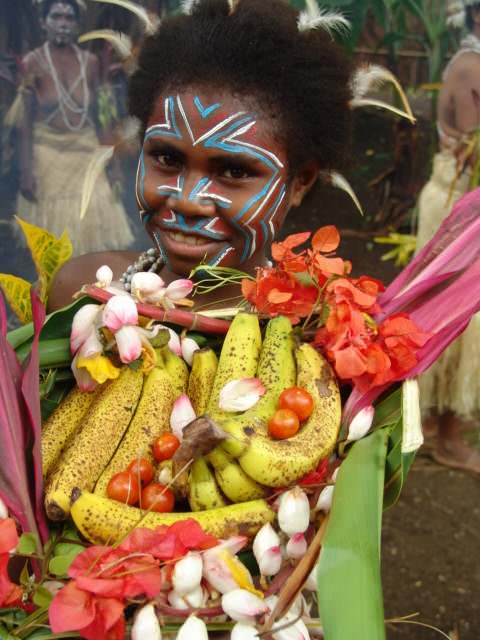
(149, 24)
(314, 17)
(119, 41)
(370, 102)
(97, 164)
(371, 77)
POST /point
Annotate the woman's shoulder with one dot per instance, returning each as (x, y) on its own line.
(81, 270)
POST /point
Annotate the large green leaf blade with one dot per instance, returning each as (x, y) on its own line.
(349, 582)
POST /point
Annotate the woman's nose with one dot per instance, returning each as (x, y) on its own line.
(192, 199)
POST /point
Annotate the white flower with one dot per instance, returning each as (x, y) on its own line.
(192, 629)
(104, 276)
(243, 606)
(145, 625)
(132, 340)
(178, 289)
(90, 348)
(119, 312)
(84, 322)
(147, 286)
(361, 423)
(3, 510)
(174, 341)
(187, 573)
(189, 346)
(182, 414)
(197, 598)
(267, 552)
(324, 502)
(219, 561)
(177, 602)
(294, 512)
(296, 546)
(240, 395)
(296, 631)
(242, 631)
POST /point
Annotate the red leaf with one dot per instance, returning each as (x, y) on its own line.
(326, 239)
(71, 609)
(295, 239)
(8, 535)
(349, 363)
(278, 297)
(10, 593)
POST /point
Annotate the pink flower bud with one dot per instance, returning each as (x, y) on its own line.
(240, 395)
(177, 602)
(129, 344)
(294, 512)
(182, 414)
(82, 325)
(3, 511)
(324, 502)
(361, 423)
(119, 312)
(311, 581)
(189, 346)
(146, 624)
(197, 598)
(270, 562)
(179, 289)
(243, 631)
(187, 573)
(147, 286)
(174, 342)
(267, 552)
(104, 276)
(297, 546)
(295, 629)
(243, 606)
(192, 629)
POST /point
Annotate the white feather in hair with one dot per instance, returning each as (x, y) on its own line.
(149, 22)
(371, 77)
(340, 182)
(187, 6)
(370, 102)
(119, 41)
(314, 17)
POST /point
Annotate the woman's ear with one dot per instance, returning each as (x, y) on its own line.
(302, 182)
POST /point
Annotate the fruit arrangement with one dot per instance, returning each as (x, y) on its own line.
(111, 460)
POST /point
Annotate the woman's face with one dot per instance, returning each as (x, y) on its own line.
(61, 24)
(212, 181)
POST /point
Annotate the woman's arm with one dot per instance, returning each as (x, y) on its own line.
(79, 271)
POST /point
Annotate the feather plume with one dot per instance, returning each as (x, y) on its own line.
(97, 164)
(119, 41)
(457, 20)
(150, 24)
(187, 6)
(340, 182)
(16, 113)
(369, 102)
(314, 17)
(371, 77)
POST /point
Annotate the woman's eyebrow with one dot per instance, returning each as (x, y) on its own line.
(233, 158)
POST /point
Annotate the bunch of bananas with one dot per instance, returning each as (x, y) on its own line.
(90, 437)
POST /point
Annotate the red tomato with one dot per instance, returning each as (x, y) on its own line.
(165, 446)
(157, 497)
(124, 487)
(283, 424)
(297, 400)
(143, 468)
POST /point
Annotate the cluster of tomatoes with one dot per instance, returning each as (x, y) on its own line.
(135, 485)
(295, 405)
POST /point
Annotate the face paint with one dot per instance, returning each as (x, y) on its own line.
(61, 24)
(211, 182)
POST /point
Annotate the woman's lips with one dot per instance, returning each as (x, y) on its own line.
(189, 245)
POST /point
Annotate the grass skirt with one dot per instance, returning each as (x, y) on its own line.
(60, 162)
(453, 382)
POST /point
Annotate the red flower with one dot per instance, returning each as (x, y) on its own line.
(10, 593)
(316, 477)
(94, 617)
(8, 535)
(287, 259)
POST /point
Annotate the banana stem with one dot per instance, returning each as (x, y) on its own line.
(188, 319)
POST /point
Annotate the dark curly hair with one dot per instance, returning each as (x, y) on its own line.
(258, 51)
(47, 5)
(469, 21)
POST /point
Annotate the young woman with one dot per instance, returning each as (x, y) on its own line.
(58, 138)
(240, 110)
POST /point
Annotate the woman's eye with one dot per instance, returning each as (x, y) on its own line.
(168, 160)
(235, 173)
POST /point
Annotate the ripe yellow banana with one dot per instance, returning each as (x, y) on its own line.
(276, 370)
(232, 480)
(64, 422)
(87, 455)
(201, 380)
(203, 491)
(277, 463)
(103, 521)
(238, 358)
(151, 419)
(176, 368)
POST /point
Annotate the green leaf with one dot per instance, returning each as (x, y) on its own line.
(4, 634)
(60, 564)
(68, 549)
(349, 582)
(42, 597)
(28, 544)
